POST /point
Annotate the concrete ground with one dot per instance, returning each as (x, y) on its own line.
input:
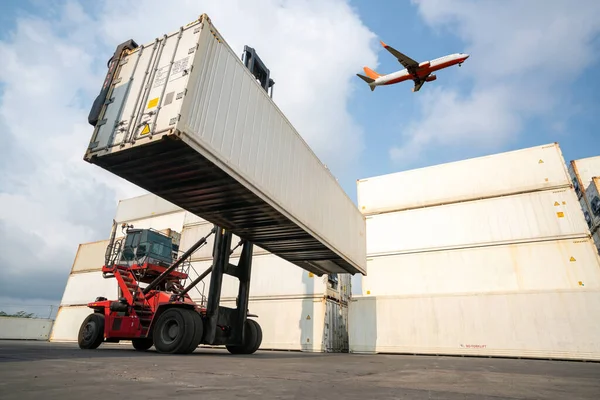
(41, 370)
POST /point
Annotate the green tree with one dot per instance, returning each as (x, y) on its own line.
(18, 314)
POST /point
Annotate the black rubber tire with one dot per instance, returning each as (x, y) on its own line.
(257, 339)
(198, 332)
(142, 344)
(173, 331)
(91, 332)
(252, 339)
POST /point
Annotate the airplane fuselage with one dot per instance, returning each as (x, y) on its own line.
(425, 68)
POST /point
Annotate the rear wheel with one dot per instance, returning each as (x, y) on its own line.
(142, 344)
(174, 331)
(251, 339)
(91, 332)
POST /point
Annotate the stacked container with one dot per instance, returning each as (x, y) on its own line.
(488, 256)
(585, 175)
(297, 310)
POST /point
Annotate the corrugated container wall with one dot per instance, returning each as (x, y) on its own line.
(552, 324)
(526, 170)
(519, 218)
(546, 265)
(202, 105)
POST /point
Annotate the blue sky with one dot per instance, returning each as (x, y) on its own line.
(385, 111)
(531, 80)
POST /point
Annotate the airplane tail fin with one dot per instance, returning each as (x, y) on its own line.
(370, 73)
(368, 80)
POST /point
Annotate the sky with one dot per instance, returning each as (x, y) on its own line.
(531, 80)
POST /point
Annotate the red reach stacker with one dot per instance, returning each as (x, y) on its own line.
(154, 307)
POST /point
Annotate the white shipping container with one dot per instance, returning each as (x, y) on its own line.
(67, 323)
(14, 328)
(563, 264)
(83, 288)
(526, 217)
(221, 149)
(191, 219)
(90, 256)
(525, 170)
(310, 324)
(553, 324)
(592, 195)
(143, 207)
(172, 221)
(192, 233)
(582, 171)
(272, 277)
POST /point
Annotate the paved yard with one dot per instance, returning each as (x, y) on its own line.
(40, 370)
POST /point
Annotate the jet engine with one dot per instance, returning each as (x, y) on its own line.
(430, 78)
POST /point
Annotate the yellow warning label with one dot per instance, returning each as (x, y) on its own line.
(541, 161)
(580, 283)
(308, 317)
(153, 103)
(572, 259)
(560, 214)
(368, 292)
(556, 203)
(146, 130)
(310, 274)
(564, 203)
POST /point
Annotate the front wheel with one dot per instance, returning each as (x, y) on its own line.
(142, 344)
(91, 332)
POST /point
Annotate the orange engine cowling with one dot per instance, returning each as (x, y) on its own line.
(430, 78)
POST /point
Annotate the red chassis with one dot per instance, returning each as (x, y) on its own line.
(154, 308)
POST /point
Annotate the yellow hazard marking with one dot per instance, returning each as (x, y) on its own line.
(572, 259)
(308, 317)
(153, 103)
(310, 274)
(560, 214)
(556, 203)
(368, 292)
(564, 203)
(580, 283)
(541, 161)
(146, 130)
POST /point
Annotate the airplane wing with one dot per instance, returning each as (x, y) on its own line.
(406, 61)
(418, 84)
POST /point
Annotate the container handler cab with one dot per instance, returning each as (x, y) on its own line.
(155, 308)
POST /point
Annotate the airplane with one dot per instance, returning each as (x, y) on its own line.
(419, 73)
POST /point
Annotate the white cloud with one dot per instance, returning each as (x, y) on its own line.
(524, 55)
(53, 66)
